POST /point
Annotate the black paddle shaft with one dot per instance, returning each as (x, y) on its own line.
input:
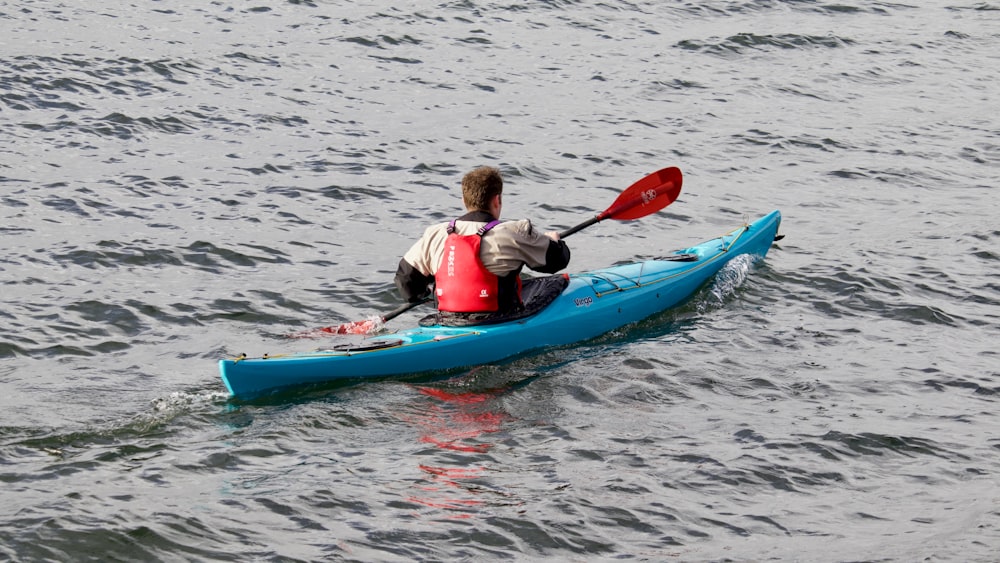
(579, 227)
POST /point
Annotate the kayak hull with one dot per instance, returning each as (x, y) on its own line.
(592, 304)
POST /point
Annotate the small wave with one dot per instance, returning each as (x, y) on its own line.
(741, 43)
(162, 411)
(757, 472)
(869, 443)
(114, 254)
(778, 142)
(207, 256)
(844, 291)
(43, 82)
(108, 315)
(121, 126)
(199, 254)
(122, 538)
(986, 388)
(241, 56)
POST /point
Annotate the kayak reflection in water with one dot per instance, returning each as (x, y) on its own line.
(474, 262)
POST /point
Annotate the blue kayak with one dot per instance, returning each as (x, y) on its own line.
(591, 304)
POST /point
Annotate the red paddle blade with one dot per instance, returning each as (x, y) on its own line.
(647, 196)
(369, 326)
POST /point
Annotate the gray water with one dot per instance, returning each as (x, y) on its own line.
(187, 181)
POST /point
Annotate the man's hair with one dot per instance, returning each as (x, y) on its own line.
(479, 187)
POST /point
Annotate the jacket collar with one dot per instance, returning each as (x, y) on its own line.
(478, 217)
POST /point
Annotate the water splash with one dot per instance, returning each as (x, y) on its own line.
(725, 283)
(180, 401)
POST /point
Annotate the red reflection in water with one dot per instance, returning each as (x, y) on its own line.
(453, 425)
(457, 423)
(445, 479)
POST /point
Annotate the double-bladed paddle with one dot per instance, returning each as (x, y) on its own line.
(645, 197)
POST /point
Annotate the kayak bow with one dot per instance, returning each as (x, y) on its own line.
(592, 304)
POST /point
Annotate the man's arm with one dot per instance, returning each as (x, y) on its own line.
(556, 258)
(412, 284)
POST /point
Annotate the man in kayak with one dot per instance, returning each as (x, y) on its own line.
(475, 261)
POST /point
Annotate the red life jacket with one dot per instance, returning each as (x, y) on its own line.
(462, 282)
